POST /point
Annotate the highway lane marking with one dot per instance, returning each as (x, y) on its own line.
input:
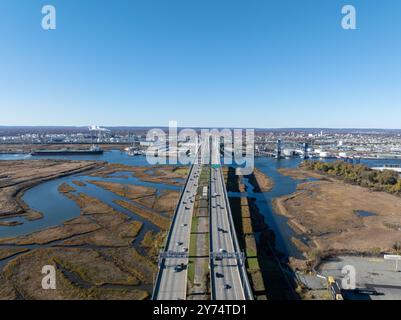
(170, 278)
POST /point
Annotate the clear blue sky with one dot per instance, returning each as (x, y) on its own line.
(233, 63)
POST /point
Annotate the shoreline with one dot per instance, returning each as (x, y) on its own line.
(100, 253)
(269, 275)
(325, 213)
(21, 209)
(27, 148)
(260, 181)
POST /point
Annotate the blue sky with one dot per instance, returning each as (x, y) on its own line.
(224, 63)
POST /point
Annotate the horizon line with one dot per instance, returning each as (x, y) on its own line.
(200, 127)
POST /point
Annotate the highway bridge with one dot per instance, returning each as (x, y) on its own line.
(228, 277)
(171, 279)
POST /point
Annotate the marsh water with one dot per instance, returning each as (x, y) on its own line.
(56, 208)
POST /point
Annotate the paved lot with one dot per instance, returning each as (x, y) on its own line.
(371, 273)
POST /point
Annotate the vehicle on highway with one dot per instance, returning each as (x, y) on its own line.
(219, 275)
(222, 230)
(184, 249)
(222, 250)
(227, 286)
(179, 267)
(179, 243)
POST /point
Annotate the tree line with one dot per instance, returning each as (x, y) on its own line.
(359, 174)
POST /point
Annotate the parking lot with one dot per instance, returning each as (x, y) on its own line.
(374, 274)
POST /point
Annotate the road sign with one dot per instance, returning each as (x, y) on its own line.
(240, 256)
(393, 257)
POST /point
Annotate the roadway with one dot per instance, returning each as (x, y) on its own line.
(226, 281)
(171, 281)
(229, 280)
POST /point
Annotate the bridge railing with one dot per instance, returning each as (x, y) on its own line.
(242, 268)
(164, 252)
(211, 249)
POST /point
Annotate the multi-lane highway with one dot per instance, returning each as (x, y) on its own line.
(171, 280)
(228, 277)
(229, 280)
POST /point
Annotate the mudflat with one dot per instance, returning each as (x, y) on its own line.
(300, 174)
(328, 213)
(260, 181)
(174, 175)
(18, 176)
(101, 254)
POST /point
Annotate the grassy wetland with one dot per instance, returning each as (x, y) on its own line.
(109, 249)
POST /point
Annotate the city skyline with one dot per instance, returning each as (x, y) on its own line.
(82, 127)
(263, 64)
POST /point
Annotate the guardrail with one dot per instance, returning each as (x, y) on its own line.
(211, 249)
(166, 245)
(242, 268)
